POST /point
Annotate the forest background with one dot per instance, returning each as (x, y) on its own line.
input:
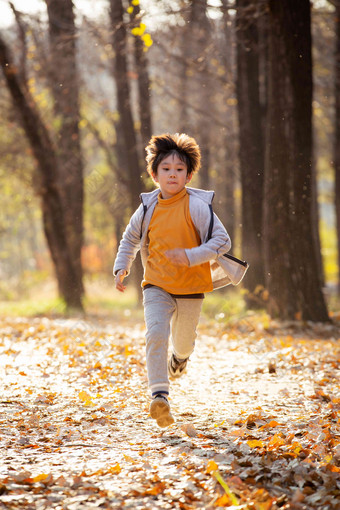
(256, 83)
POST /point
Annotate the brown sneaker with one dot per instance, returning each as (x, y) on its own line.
(160, 411)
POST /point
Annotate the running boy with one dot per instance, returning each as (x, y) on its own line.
(182, 242)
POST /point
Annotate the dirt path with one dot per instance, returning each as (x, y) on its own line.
(257, 423)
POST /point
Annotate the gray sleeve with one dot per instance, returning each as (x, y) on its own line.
(130, 243)
(218, 244)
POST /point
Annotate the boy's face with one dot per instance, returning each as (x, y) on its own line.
(171, 176)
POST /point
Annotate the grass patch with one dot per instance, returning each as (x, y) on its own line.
(224, 305)
(32, 307)
(101, 299)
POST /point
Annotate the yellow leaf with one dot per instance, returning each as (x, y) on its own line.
(128, 351)
(41, 477)
(223, 500)
(128, 458)
(84, 396)
(147, 40)
(115, 469)
(130, 10)
(255, 443)
(211, 466)
(275, 442)
(269, 425)
(89, 403)
(135, 2)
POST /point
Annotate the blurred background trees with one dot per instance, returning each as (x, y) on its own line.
(81, 95)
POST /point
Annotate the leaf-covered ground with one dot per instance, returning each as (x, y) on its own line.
(257, 418)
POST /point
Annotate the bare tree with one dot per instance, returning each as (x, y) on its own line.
(198, 45)
(143, 79)
(127, 138)
(65, 87)
(229, 177)
(49, 188)
(126, 134)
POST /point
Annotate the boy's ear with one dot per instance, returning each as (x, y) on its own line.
(189, 177)
(154, 177)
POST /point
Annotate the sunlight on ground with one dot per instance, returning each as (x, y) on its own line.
(255, 394)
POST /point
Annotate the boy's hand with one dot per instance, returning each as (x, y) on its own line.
(177, 257)
(119, 280)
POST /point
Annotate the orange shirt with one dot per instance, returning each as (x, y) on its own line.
(171, 227)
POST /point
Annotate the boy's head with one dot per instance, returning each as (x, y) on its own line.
(165, 145)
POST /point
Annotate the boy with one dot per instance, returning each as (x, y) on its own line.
(182, 243)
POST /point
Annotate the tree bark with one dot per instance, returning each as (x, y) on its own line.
(229, 178)
(126, 134)
(293, 278)
(197, 49)
(65, 88)
(126, 131)
(50, 191)
(337, 133)
(251, 154)
(143, 80)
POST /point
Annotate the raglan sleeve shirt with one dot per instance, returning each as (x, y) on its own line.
(217, 245)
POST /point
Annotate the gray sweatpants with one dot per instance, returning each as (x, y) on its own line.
(165, 314)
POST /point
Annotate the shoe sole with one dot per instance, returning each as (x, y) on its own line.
(160, 412)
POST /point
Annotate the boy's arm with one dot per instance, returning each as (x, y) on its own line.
(218, 244)
(130, 243)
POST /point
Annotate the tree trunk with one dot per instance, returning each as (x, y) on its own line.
(337, 134)
(251, 143)
(197, 51)
(291, 263)
(126, 134)
(229, 178)
(50, 191)
(126, 130)
(143, 80)
(65, 88)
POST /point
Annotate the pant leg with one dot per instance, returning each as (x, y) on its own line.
(159, 308)
(183, 326)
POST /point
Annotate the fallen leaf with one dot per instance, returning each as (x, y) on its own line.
(211, 466)
(255, 443)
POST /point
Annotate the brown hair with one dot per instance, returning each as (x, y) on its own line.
(181, 144)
